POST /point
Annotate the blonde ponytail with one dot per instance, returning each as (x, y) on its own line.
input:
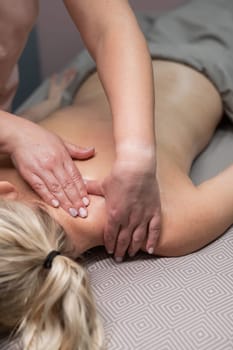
(49, 308)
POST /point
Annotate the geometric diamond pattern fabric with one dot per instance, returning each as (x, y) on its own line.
(166, 303)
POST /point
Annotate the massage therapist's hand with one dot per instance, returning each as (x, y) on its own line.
(133, 207)
(44, 161)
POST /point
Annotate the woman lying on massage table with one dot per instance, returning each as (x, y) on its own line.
(50, 300)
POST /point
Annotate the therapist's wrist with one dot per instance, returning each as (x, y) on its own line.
(126, 149)
(136, 154)
(9, 129)
(13, 130)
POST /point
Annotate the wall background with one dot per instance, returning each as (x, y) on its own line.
(58, 38)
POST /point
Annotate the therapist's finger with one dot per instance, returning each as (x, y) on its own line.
(77, 152)
(56, 189)
(111, 231)
(41, 189)
(153, 234)
(74, 187)
(94, 187)
(138, 237)
(122, 243)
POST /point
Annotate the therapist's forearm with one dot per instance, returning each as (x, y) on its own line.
(12, 131)
(111, 33)
(124, 66)
(10, 126)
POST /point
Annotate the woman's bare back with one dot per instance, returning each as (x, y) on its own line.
(188, 109)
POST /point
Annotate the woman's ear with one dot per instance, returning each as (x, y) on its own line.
(8, 191)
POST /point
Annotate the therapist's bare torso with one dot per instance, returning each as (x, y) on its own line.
(188, 109)
(16, 21)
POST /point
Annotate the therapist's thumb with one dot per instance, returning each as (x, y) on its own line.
(78, 152)
(94, 187)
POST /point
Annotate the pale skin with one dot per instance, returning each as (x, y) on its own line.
(188, 110)
(123, 62)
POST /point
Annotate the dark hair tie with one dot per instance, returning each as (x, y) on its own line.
(49, 259)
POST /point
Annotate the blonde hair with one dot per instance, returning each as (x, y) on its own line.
(48, 308)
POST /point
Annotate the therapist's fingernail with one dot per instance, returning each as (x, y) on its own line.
(55, 203)
(119, 259)
(89, 148)
(73, 212)
(151, 250)
(83, 212)
(85, 201)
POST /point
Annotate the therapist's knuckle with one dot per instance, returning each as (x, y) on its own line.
(118, 217)
(52, 161)
(154, 228)
(55, 187)
(37, 186)
(47, 163)
(110, 237)
(113, 216)
(155, 225)
(75, 175)
(123, 241)
(67, 184)
(138, 238)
